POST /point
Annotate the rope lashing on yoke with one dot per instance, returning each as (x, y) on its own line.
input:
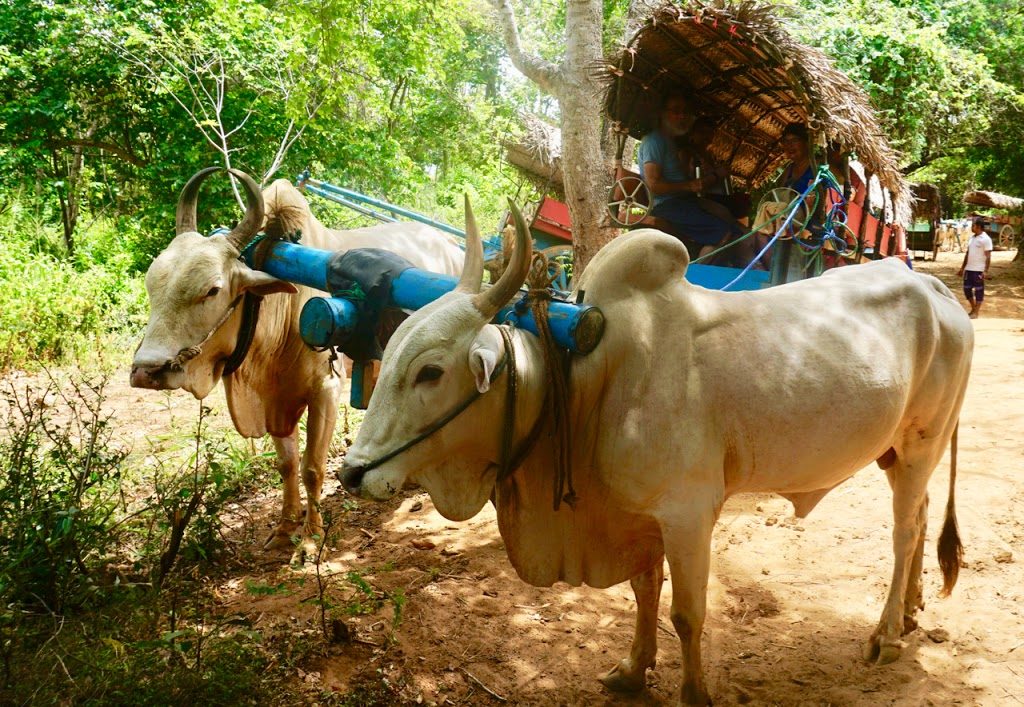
(557, 367)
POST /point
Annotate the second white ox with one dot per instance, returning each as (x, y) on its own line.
(194, 287)
(691, 396)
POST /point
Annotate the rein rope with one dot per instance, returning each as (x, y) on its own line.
(556, 366)
(509, 358)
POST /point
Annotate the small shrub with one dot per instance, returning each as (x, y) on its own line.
(60, 496)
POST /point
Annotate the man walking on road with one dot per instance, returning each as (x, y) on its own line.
(977, 261)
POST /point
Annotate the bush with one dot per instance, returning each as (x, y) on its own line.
(53, 308)
(60, 497)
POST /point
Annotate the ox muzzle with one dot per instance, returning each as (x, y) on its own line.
(163, 376)
(352, 478)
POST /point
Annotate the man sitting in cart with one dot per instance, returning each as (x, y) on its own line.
(677, 208)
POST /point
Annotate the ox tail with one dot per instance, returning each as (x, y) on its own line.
(951, 551)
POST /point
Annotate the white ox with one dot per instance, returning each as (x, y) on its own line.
(691, 396)
(192, 285)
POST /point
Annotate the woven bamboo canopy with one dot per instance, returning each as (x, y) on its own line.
(743, 70)
(537, 153)
(993, 200)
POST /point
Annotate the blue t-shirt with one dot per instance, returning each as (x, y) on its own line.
(658, 148)
(798, 183)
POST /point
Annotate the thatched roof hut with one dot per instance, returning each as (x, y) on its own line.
(926, 206)
(993, 200)
(537, 153)
(743, 70)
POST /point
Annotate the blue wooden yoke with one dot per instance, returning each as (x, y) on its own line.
(326, 320)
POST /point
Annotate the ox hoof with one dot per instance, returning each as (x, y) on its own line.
(621, 679)
(882, 651)
(888, 654)
(280, 539)
(307, 552)
(283, 536)
(694, 696)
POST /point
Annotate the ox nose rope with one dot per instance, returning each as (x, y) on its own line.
(190, 352)
(461, 407)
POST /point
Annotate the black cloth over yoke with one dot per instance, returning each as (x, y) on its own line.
(364, 277)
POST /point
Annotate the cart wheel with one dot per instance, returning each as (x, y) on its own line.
(629, 201)
(787, 196)
(559, 265)
(1007, 237)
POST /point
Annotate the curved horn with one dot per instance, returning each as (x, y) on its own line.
(242, 233)
(473, 265)
(491, 300)
(185, 217)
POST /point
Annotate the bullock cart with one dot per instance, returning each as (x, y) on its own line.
(923, 231)
(1005, 227)
(749, 78)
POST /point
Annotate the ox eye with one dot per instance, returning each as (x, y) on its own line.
(429, 374)
(214, 291)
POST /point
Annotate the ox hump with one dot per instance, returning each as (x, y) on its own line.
(643, 260)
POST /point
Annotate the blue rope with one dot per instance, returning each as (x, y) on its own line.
(835, 215)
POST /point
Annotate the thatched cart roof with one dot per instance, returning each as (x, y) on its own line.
(537, 153)
(993, 200)
(743, 70)
(926, 206)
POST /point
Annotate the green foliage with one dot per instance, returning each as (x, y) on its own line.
(53, 308)
(60, 496)
(115, 105)
(191, 494)
(947, 77)
(129, 653)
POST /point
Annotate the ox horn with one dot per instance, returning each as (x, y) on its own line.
(473, 265)
(491, 300)
(185, 217)
(241, 234)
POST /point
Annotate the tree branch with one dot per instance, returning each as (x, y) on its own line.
(541, 72)
(124, 154)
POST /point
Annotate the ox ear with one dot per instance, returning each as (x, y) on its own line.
(484, 354)
(260, 283)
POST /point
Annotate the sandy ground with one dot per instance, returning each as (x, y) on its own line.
(790, 602)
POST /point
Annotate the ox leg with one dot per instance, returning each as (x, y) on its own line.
(320, 419)
(630, 675)
(913, 600)
(688, 549)
(909, 484)
(288, 466)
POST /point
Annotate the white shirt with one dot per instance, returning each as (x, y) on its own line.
(977, 247)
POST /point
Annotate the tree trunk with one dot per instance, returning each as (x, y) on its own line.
(586, 171)
(579, 101)
(68, 194)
